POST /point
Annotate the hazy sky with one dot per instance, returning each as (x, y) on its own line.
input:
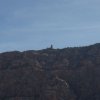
(36, 24)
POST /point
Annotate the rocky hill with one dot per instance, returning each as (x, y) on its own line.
(51, 74)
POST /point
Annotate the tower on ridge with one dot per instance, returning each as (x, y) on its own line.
(51, 46)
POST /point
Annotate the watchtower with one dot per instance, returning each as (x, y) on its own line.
(51, 47)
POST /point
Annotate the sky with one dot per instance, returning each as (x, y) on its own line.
(36, 24)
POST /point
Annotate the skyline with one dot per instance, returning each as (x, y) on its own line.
(36, 24)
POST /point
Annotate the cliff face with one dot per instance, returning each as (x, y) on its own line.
(51, 74)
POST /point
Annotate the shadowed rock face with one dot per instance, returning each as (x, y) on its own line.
(51, 74)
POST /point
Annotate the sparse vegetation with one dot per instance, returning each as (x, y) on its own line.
(51, 74)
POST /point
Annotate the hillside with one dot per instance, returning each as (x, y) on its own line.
(51, 74)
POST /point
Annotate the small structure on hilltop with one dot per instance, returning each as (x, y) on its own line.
(51, 47)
